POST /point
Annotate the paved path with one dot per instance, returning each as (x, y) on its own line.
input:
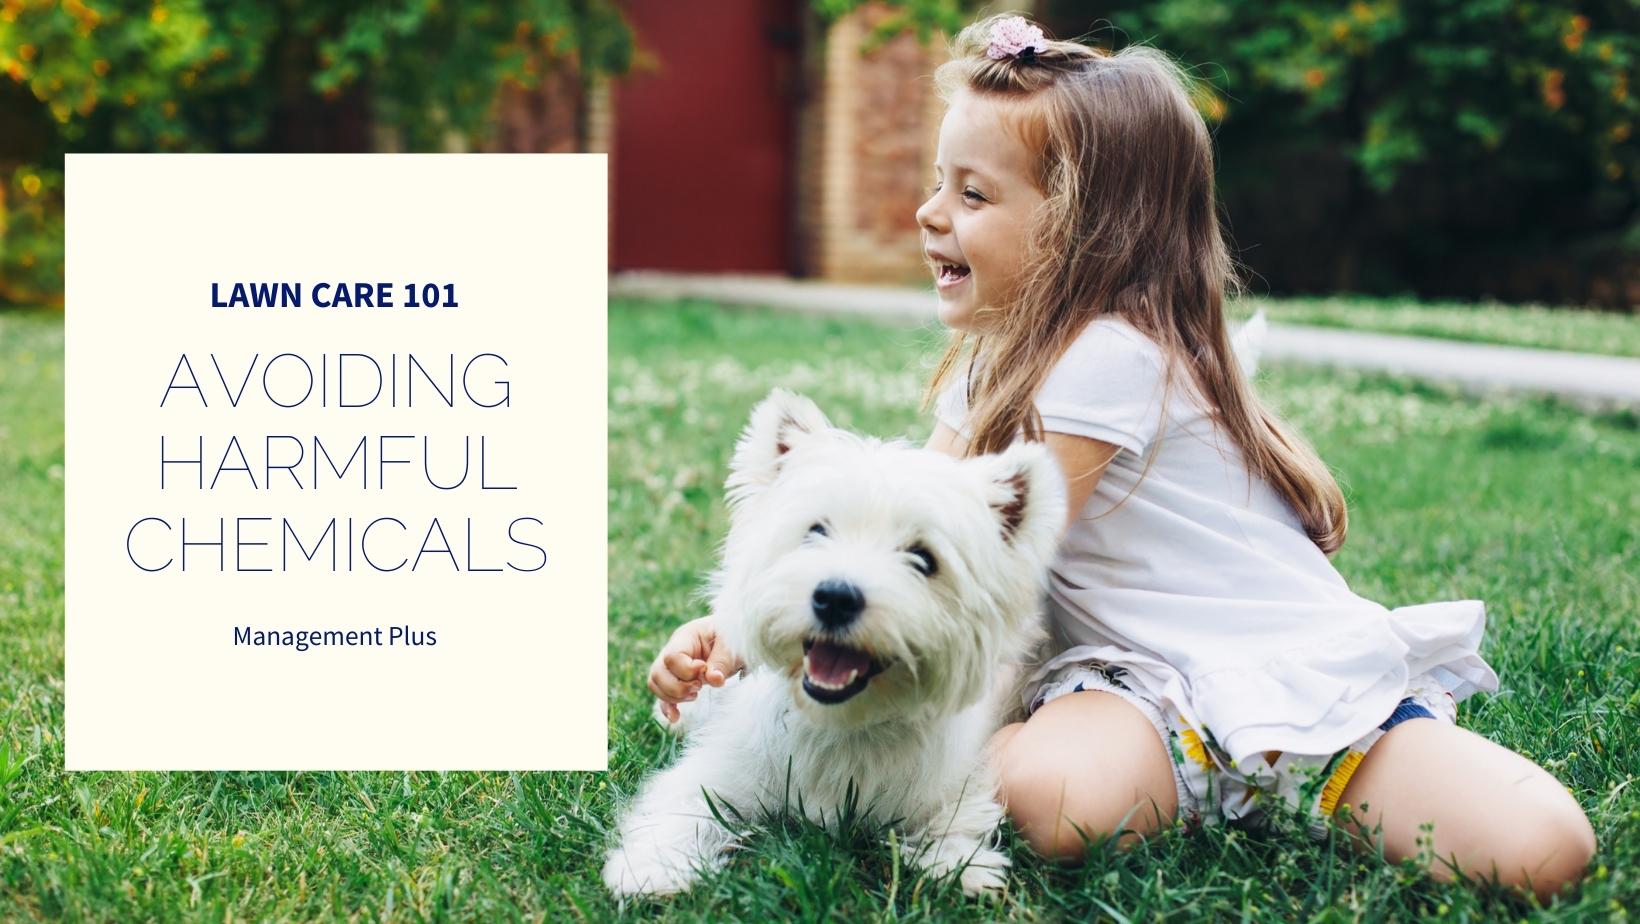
(1584, 379)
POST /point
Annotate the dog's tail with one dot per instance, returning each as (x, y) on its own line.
(1247, 342)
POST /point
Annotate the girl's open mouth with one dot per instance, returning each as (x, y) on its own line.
(834, 672)
(951, 274)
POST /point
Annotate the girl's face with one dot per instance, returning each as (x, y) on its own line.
(976, 214)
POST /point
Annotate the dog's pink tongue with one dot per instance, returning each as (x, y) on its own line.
(831, 663)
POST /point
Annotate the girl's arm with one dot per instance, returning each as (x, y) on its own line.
(946, 440)
(1081, 460)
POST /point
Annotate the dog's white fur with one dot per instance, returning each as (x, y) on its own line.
(911, 746)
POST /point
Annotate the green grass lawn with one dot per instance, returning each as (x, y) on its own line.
(1578, 330)
(1527, 505)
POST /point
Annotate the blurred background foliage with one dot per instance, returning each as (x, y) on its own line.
(289, 75)
(1417, 147)
(1444, 149)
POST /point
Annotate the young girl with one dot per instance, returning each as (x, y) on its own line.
(1211, 659)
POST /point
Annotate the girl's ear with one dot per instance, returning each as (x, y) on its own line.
(778, 423)
(1027, 494)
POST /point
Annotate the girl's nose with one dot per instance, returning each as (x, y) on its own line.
(929, 216)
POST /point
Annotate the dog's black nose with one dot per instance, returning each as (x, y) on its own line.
(837, 603)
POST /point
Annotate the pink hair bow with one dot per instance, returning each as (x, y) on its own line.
(1014, 36)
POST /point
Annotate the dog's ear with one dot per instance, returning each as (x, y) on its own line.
(1027, 492)
(778, 423)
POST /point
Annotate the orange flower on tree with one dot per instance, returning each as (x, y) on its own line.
(1575, 27)
(1554, 88)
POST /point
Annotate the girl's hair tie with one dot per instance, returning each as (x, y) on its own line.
(1013, 37)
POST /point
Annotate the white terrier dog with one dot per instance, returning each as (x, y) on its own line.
(878, 592)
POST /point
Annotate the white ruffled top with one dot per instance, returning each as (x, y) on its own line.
(1199, 579)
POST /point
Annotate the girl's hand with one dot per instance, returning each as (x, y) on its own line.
(692, 656)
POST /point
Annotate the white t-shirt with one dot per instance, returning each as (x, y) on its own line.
(1199, 579)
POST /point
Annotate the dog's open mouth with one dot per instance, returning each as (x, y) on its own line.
(834, 672)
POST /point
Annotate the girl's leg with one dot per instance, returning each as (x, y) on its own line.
(1492, 809)
(1084, 760)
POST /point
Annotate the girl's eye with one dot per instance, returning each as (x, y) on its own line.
(970, 194)
(818, 529)
(923, 560)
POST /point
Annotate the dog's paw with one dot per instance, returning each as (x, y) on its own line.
(981, 870)
(628, 874)
(985, 875)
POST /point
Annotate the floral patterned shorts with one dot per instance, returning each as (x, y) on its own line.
(1211, 787)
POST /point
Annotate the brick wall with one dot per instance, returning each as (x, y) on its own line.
(545, 118)
(557, 115)
(866, 139)
(600, 138)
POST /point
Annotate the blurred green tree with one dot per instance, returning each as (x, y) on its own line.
(292, 75)
(1452, 148)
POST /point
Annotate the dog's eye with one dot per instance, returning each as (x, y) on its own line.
(818, 529)
(924, 559)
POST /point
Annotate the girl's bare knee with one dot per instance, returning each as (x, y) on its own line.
(1543, 842)
(1059, 813)
(1495, 814)
(1035, 797)
(1553, 852)
(1001, 737)
(1061, 791)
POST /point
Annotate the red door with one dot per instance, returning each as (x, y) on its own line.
(703, 150)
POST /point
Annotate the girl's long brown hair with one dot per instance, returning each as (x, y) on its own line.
(1128, 229)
